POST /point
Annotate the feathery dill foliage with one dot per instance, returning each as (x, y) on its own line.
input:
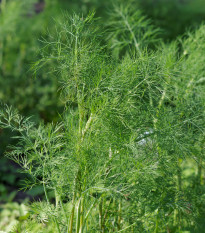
(115, 161)
(129, 30)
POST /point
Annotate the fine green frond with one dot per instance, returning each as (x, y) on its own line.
(129, 31)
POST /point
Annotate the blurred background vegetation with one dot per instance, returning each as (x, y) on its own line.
(24, 24)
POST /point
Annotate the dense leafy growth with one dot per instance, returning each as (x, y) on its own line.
(126, 153)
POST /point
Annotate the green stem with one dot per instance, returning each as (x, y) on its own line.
(57, 198)
(199, 175)
(57, 225)
(88, 213)
(157, 223)
(119, 215)
(101, 215)
(78, 216)
(81, 215)
(131, 31)
(45, 191)
(70, 228)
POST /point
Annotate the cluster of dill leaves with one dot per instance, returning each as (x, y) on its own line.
(120, 156)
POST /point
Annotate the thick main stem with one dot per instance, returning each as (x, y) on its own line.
(78, 216)
(70, 228)
(81, 216)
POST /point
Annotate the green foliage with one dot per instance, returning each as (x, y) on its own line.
(122, 156)
(20, 31)
(121, 141)
(129, 30)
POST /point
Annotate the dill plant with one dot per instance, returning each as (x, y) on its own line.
(128, 30)
(114, 162)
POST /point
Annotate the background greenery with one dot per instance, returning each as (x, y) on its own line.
(167, 31)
